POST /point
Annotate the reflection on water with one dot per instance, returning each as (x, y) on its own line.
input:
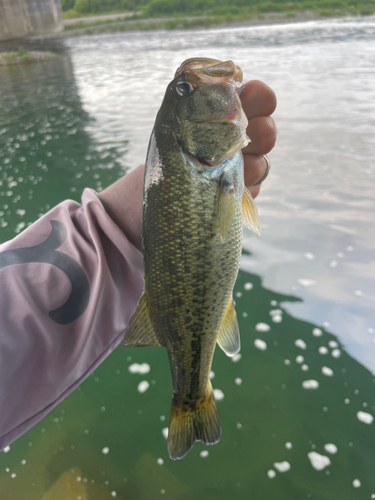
(293, 391)
(46, 153)
(297, 406)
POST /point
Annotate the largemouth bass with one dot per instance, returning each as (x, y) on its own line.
(194, 204)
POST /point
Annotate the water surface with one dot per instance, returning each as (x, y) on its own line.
(305, 294)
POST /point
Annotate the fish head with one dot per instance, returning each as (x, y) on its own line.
(208, 120)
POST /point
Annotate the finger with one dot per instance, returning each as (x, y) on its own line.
(258, 99)
(255, 168)
(262, 132)
(254, 191)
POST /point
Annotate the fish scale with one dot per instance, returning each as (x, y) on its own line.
(194, 197)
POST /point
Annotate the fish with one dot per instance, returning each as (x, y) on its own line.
(194, 206)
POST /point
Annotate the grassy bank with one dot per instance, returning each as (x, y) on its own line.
(180, 22)
(23, 56)
(246, 9)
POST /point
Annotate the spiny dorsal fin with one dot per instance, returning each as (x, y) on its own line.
(250, 212)
(140, 332)
(229, 335)
(227, 205)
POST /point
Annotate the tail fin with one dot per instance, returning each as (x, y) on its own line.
(187, 426)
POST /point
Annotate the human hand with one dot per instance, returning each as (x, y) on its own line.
(258, 102)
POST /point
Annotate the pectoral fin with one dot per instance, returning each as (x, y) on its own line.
(250, 212)
(227, 205)
(140, 331)
(229, 335)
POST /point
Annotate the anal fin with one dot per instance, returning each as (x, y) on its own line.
(250, 212)
(140, 332)
(229, 335)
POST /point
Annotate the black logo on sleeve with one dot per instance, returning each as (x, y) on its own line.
(46, 253)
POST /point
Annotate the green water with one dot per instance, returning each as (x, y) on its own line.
(55, 140)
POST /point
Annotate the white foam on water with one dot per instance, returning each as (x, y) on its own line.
(323, 350)
(282, 466)
(305, 368)
(160, 461)
(288, 445)
(238, 381)
(275, 312)
(333, 344)
(236, 357)
(105, 450)
(310, 384)
(262, 327)
(277, 318)
(219, 395)
(330, 448)
(139, 368)
(212, 375)
(317, 332)
(143, 386)
(271, 473)
(364, 417)
(327, 371)
(356, 483)
(300, 343)
(248, 286)
(6, 449)
(165, 432)
(204, 453)
(300, 359)
(260, 344)
(336, 353)
(319, 462)
(287, 362)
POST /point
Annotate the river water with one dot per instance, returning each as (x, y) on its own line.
(297, 407)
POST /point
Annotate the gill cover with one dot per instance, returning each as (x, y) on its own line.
(209, 121)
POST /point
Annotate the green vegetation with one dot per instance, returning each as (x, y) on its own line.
(23, 56)
(20, 56)
(152, 8)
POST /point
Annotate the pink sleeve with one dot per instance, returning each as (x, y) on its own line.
(69, 285)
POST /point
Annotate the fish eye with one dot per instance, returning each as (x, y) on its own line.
(184, 88)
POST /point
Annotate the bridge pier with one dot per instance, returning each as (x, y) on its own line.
(27, 18)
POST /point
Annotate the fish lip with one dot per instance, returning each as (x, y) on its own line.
(239, 120)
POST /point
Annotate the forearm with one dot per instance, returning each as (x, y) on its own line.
(123, 203)
(69, 286)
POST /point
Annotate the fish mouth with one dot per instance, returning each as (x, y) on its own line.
(204, 67)
(237, 120)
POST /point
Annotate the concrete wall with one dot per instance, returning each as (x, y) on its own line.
(26, 18)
